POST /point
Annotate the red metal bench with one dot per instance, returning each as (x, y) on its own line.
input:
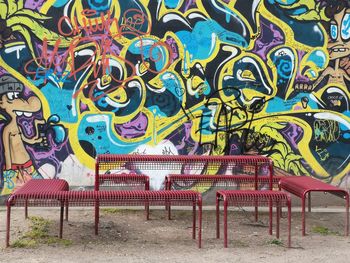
(106, 198)
(43, 185)
(237, 181)
(302, 186)
(252, 198)
(183, 164)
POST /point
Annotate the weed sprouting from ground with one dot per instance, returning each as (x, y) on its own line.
(323, 231)
(118, 210)
(276, 242)
(39, 234)
(111, 210)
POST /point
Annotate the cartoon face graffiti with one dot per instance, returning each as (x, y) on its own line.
(339, 42)
(12, 101)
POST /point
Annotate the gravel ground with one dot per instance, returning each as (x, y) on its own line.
(125, 236)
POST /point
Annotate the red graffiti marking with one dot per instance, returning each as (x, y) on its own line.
(156, 57)
(131, 24)
(95, 34)
(133, 21)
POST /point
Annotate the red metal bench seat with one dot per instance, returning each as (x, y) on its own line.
(122, 180)
(106, 198)
(238, 181)
(42, 185)
(304, 185)
(252, 198)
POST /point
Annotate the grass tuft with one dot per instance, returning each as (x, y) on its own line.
(111, 210)
(118, 210)
(39, 234)
(323, 231)
(25, 243)
(276, 242)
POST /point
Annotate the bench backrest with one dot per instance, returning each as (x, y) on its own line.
(183, 164)
(204, 164)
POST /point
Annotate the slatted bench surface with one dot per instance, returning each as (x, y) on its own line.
(122, 180)
(43, 185)
(158, 160)
(183, 163)
(246, 197)
(89, 198)
(106, 198)
(302, 186)
(253, 198)
(188, 180)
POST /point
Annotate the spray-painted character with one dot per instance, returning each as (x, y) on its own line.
(339, 50)
(18, 167)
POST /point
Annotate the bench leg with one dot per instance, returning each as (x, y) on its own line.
(309, 201)
(147, 203)
(278, 213)
(289, 223)
(147, 210)
(61, 220)
(303, 215)
(225, 223)
(167, 187)
(347, 215)
(256, 188)
(270, 217)
(217, 216)
(169, 209)
(97, 216)
(199, 223)
(279, 189)
(67, 205)
(26, 209)
(8, 222)
(194, 220)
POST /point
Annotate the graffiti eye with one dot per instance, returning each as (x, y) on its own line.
(334, 31)
(89, 130)
(10, 95)
(345, 27)
(16, 94)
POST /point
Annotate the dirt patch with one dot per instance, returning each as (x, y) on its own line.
(125, 236)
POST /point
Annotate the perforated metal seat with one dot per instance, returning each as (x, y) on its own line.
(42, 185)
(122, 180)
(252, 198)
(302, 186)
(237, 181)
(106, 198)
(184, 164)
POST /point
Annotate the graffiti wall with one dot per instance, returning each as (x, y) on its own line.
(190, 77)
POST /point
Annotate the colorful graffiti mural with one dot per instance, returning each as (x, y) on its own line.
(219, 77)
